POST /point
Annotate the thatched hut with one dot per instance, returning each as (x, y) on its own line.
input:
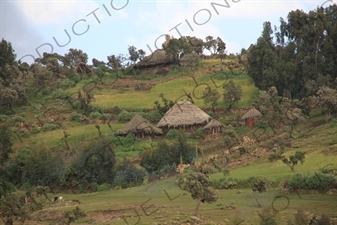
(251, 116)
(214, 126)
(157, 58)
(184, 115)
(140, 127)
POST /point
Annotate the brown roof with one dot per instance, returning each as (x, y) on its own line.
(212, 124)
(158, 57)
(251, 114)
(139, 124)
(183, 113)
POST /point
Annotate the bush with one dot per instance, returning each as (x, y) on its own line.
(126, 116)
(103, 187)
(317, 181)
(274, 157)
(172, 133)
(59, 94)
(76, 116)
(200, 134)
(225, 183)
(95, 115)
(35, 130)
(129, 175)
(65, 83)
(105, 117)
(165, 154)
(154, 116)
(75, 77)
(50, 127)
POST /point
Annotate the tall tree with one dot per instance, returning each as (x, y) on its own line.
(177, 48)
(215, 46)
(232, 94)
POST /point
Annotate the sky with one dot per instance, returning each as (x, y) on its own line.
(105, 27)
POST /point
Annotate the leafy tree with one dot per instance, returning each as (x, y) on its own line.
(95, 163)
(74, 57)
(211, 97)
(215, 46)
(165, 154)
(167, 104)
(8, 97)
(259, 184)
(7, 61)
(177, 48)
(200, 187)
(11, 210)
(135, 55)
(43, 78)
(294, 159)
(232, 94)
(230, 137)
(96, 62)
(327, 99)
(5, 151)
(198, 44)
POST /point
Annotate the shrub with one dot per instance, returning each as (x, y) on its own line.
(200, 134)
(50, 127)
(65, 83)
(105, 117)
(274, 157)
(95, 115)
(126, 141)
(319, 181)
(59, 94)
(154, 116)
(296, 182)
(126, 116)
(75, 116)
(225, 183)
(172, 133)
(103, 187)
(165, 154)
(35, 130)
(129, 175)
(75, 77)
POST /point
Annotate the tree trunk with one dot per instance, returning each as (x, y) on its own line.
(197, 208)
(257, 201)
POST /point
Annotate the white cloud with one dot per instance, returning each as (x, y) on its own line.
(60, 13)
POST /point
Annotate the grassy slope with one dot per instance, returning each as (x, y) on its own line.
(315, 142)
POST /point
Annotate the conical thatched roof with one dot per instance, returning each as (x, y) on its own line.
(183, 113)
(252, 113)
(213, 124)
(158, 57)
(139, 125)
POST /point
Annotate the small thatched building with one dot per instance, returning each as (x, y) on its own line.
(139, 127)
(251, 116)
(214, 126)
(184, 115)
(157, 58)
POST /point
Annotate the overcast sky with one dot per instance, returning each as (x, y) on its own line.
(104, 27)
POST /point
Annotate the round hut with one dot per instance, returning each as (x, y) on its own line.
(214, 126)
(157, 58)
(251, 117)
(184, 114)
(140, 127)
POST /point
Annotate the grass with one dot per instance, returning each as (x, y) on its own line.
(111, 206)
(319, 142)
(173, 90)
